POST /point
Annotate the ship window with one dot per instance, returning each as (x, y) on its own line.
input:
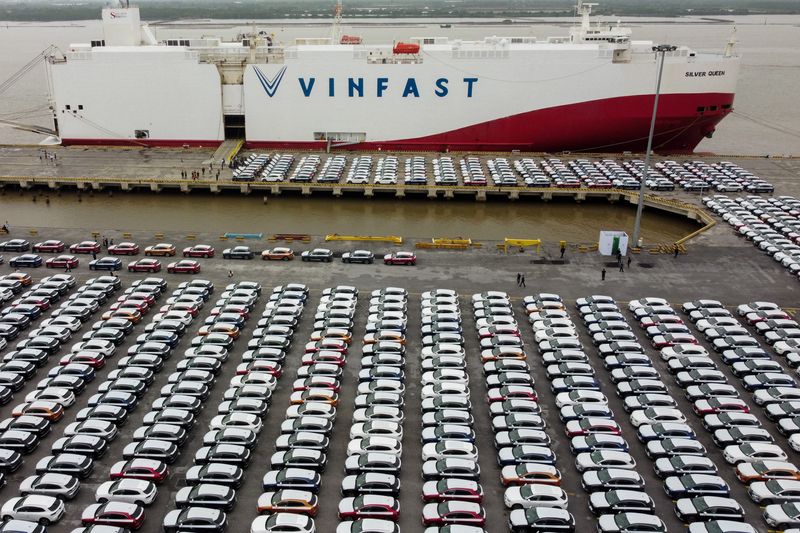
(701, 109)
(712, 108)
(184, 42)
(80, 106)
(726, 106)
(68, 107)
(141, 134)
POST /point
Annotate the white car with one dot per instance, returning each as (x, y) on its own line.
(578, 397)
(752, 307)
(652, 415)
(753, 451)
(71, 323)
(53, 394)
(240, 420)
(294, 522)
(107, 348)
(370, 444)
(138, 491)
(535, 495)
(373, 428)
(587, 461)
(682, 350)
(449, 449)
(643, 302)
(35, 508)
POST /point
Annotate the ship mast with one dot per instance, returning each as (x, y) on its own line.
(336, 30)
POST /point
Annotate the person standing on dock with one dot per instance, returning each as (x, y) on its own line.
(603, 275)
(522, 281)
(629, 262)
(519, 276)
(621, 268)
(677, 251)
(563, 250)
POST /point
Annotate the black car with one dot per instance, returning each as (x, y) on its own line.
(85, 372)
(11, 380)
(126, 400)
(184, 402)
(26, 261)
(371, 483)
(195, 519)
(15, 245)
(113, 413)
(66, 463)
(216, 473)
(106, 263)
(223, 453)
(19, 441)
(159, 450)
(37, 425)
(65, 381)
(206, 495)
(165, 432)
(89, 445)
(178, 417)
(238, 252)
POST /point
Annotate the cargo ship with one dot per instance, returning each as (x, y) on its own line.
(589, 91)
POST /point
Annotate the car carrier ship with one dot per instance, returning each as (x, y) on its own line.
(591, 90)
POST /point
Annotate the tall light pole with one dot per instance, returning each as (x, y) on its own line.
(661, 50)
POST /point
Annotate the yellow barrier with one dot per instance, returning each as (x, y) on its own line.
(223, 237)
(372, 238)
(191, 237)
(126, 235)
(522, 243)
(95, 234)
(459, 240)
(159, 236)
(34, 232)
(446, 246)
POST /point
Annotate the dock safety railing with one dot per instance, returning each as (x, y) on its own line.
(393, 239)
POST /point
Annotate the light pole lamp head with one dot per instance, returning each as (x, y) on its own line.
(664, 48)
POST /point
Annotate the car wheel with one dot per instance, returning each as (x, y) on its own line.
(102, 500)
(370, 261)
(285, 259)
(330, 259)
(44, 522)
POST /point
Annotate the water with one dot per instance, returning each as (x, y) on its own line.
(410, 218)
(766, 118)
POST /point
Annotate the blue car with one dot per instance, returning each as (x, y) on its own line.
(106, 263)
(25, 261)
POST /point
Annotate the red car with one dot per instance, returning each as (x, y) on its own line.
(714, 406)
(671, 339)
(453, 512)
(511, 392)
(145, 265)
(118, 514)
(62, 261)
(400, 258)
(199, 250)
(590, 426)
(185, 266)
(148, 469)
(85, 247)
(369, 506)
(452, 489)
(49, 246)
(124, 248)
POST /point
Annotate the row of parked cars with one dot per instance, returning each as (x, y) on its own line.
(607, 469)
(23, 301)
(371, 490)
(723, 176)
(452, 492)
(702, 495)
(57, 475)
(524, 450)
(289, 501)
(219, 465)
(771, 224)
